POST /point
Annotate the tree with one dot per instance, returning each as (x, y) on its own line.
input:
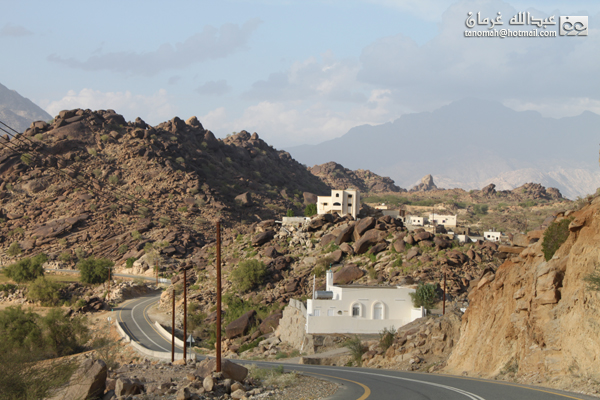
(44, 291)
(424, 296)
(310, 210)
(26, 269)
(248, 274)
(290, 212)
(94, 270)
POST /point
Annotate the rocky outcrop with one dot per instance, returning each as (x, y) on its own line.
(87, 382)
(336, 176)
(425, 185)
(535, 315)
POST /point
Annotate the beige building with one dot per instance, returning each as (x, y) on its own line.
(341, 201)
(440, 219)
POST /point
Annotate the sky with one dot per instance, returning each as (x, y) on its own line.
(295, 72)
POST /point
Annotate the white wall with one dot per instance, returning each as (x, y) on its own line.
(335, 316)
(440, 219)
(346, 202)
(492, 236)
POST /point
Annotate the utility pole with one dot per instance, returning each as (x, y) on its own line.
(184, 313)
(218, 296)
(156, 268)
(173, 330)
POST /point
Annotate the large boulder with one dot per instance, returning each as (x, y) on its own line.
(370, 238)
(362, 226)
(244, 199)
(325, 240)
(345, 235)
(240, 326)
(412, 253)
(317, 222)
(399, 246)
(309, 198)
(128, 387)
(262, 238)
(229, 369)
(347, 274)
(347, 249)
(422, 236)
(441, 243)
(270, 323)
(88, 381)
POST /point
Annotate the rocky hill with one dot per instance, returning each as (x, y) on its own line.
(534, 320)
(336, 176)
(18, 111)
(91, 179)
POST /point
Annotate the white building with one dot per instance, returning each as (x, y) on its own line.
(360, 309)
(341, 201)
(492, 236)
(439, 219)
(414, 220)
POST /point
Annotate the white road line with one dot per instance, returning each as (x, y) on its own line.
(138, 325)
(469, 395)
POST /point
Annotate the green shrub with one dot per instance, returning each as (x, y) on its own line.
(180, 160)
(318, 271)
(104, 138)
(7, 288)
(554, 236)
(122, 249)
(593, 281)
(356, 350)
(65, 256)
(183, 209)
(129, 262)
(14, 249)
(290, 213)
(97, 173)
(39, 136)
(310, 210)
(480, 209)
(248, 274)
(136, 235)
(113, 179)
(386, 338)
(26, 159)
(250, 345)
(44, 291)
(92, 152)
(17, 231)
(93, 270)
(63, 335)
(80, 253)
(424, 296)
(80, 303)
(26, 269)
(372, 272)
(144, 211)
(164, 220)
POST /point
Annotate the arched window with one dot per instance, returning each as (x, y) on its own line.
(337, 195)
(356, 310)
(378, 311)
(336, 204)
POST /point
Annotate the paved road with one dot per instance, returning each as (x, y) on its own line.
(362, 383)
(134, 316)
(146, 278)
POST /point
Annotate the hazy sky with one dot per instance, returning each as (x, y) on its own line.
(294, 71)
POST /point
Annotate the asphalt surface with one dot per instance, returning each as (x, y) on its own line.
(360, 383)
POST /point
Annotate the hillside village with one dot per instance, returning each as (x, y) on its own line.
(310, 256)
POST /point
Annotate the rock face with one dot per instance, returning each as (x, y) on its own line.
(347, 274)
(87, 382)
(542, 312)
(336, 176)
(240, 326)
(425, 185)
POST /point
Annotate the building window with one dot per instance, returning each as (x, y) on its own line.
(331, 312)
(317, 313)
(378, 311)
(324, 204)
(356, 310)
(349, 196)
(337, 195)
(349, 204)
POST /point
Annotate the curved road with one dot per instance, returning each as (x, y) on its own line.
(361, 383)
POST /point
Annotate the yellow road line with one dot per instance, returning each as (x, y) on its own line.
(365, 395)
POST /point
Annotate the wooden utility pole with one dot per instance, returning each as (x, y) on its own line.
(156, 268)
(444, 298)
(173, 330)
(184, 313)
(218, 296)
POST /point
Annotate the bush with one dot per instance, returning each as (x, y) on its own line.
(386, 338)
(554, 236)
(356, 350)
(129, 262)
(136, 235)
(593, 281)
(26, 269)
(14, 249)
(44, 291)
(290, 213)
(94, 270)
(113, 179)
(480, 209)
(248, 274)
(104, 138)
(310, 210)
(62, 335)
(424, 296)
(26, 159)
(122, 249)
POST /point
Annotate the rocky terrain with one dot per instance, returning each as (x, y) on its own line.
(336, 176)
(536, 317)
(92, 181)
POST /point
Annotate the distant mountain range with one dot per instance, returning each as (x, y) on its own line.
(18, 111)
(469, 144)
